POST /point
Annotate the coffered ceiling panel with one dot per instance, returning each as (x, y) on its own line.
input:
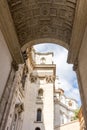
(34, 19)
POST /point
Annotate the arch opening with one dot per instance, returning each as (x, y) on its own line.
(46, 41)
(37, 128)
(64, 71)
(39, 114)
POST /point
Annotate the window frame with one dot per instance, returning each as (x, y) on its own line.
(39, 115)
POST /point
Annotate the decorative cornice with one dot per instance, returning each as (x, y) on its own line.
(46, 53)
(46, 66)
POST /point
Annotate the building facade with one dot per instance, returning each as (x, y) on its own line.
(36, 103)
(64, 108)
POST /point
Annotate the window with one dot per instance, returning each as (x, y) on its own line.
(37, 128)
(39, 112)
(43, 60)
(40, 92)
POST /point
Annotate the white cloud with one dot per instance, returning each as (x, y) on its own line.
(65, 85)
(40, 48)
(63, 70)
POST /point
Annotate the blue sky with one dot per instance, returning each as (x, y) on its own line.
(64, 71)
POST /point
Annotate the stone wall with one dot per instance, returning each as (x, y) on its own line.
(83, 63)
(5, 63)
(33, 103)
(82, 72)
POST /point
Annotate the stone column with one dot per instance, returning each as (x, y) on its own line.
(83, 98)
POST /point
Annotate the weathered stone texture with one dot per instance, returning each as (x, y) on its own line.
(43, 19)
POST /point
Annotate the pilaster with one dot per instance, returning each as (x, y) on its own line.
(83, 99)
(78, 30)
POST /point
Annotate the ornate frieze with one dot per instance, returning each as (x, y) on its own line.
(48, 78)
(43, 19)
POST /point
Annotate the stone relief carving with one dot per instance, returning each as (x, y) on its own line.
(43, 19)
(33, 78)
(50, 79)
(19, 107)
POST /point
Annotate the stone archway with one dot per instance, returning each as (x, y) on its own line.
(66, 29)
(64, 21)
(45, 40)
(43, 19)
(30, 20)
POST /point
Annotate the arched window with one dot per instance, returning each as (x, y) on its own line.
(37, 128)
(43, 60)
(39, 113)
(40, 92)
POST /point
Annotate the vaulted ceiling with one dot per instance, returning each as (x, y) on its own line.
(34, 19)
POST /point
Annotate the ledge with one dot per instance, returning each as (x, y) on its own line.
(38, 122)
